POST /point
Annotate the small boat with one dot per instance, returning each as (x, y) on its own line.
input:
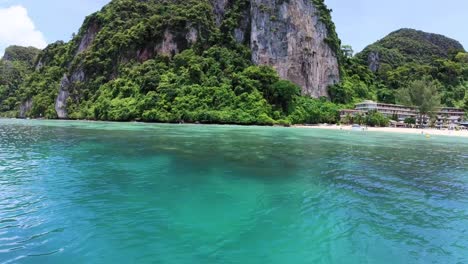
(357, 128)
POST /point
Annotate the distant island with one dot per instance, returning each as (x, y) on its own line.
(238, 63)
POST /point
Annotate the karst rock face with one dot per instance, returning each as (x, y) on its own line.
(285, 34)
(290, 37)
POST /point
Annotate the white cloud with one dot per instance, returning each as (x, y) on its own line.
(17, 28)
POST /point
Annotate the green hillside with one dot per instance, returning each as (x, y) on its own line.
(407, 46)
(166, 61)
(404, 56)
(15, 66)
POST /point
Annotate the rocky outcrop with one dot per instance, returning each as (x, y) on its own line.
(25, 107)
(374, 61)
(61, 100)
(77, 75)
(22, 54)
(64, 92)
(7, 57)
(242, 31)
(219, 8)
(39, 65)
(289, 36)
(88, 37)
(168, 46)
(192, 35)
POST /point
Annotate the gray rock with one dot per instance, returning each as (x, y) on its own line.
(77, 75)
(192, 35)
(64, 92)
(219, 8)
(374, 61)
(88, 38)
(25, 107)
(290, 38)
(168, 46)
(61, 101)
(39, 65)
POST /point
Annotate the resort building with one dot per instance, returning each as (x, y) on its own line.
(389, 110)
(447, 117)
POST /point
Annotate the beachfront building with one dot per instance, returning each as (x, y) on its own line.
(388, 110)
(447, 117)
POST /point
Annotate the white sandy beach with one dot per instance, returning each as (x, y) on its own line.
(431, 132)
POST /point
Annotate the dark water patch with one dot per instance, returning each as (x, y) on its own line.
(80, 192)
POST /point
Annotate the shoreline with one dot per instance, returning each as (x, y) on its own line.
(414, 131)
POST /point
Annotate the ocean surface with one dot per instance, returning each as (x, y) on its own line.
(86, 192)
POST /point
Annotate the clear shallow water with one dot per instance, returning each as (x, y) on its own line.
(77, 192)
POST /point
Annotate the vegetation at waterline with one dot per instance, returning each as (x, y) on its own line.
(372, 118)
(217, 86)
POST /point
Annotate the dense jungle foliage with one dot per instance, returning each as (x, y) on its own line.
(211, 80)
(15, 66)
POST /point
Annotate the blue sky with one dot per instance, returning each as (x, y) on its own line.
(362, 22)
(37, 22)
(359, 22)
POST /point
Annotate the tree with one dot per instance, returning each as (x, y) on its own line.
(410, 121)
(342, 93)
(284, 93)
(462, 57)
(375, 118)
(465, 106)
(422, 94)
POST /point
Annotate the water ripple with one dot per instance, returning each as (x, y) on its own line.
(74, 192)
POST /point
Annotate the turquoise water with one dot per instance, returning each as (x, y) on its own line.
(78, 192)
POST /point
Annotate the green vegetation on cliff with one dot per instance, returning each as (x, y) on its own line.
(332, 40)
(15, 66)
(165, 61)
(408, 46)
(27, 55)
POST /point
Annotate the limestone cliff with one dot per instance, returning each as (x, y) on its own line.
(25, 107)
(289, 36)
(66, 84)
